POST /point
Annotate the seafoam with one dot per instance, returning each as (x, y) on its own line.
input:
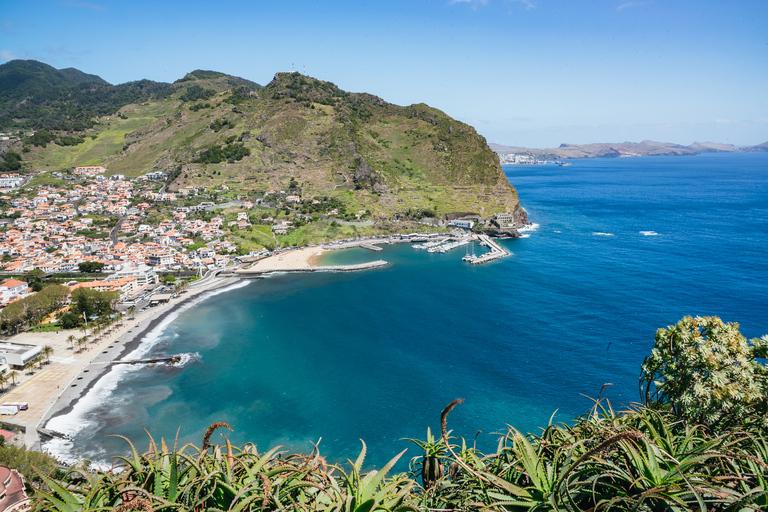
(81, 416)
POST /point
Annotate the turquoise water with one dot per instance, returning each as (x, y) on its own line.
(623, 247)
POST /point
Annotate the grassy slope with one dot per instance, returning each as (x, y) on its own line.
(424, 159)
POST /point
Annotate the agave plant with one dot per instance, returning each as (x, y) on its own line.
(371, 491)
(430, 465)
(97, 491)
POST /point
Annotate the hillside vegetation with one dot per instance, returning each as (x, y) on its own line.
(297, 134)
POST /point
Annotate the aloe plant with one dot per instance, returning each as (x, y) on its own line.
(430, 465)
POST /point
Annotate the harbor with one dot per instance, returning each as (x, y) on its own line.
(443, 245)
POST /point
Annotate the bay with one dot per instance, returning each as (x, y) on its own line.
(623, 247)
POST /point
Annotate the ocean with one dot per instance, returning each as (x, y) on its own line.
(621, 247)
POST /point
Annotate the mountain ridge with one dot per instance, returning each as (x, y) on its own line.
(297, 134)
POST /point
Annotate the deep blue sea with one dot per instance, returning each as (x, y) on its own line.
(623, 247)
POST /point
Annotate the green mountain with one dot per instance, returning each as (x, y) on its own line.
(34, 95)
(297, 134)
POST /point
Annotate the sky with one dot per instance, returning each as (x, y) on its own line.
(531, 73)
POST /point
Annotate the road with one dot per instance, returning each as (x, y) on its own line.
(116, 230)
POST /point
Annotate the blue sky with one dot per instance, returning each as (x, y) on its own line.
(532, 73)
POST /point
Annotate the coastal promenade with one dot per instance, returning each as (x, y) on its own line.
(71, 372)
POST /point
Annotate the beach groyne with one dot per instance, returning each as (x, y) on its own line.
(331, 268)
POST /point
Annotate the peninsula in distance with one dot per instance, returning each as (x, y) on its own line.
(511, 155)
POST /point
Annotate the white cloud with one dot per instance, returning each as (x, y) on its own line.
(529, 4)
(7, 55)
(626, 5)
(473, 2)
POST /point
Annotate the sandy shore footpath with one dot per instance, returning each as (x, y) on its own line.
(308, 257)
(71, 374)
(300, 258)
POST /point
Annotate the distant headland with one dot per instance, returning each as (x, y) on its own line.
(510, 155)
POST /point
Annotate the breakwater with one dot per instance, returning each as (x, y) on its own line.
(496, 251)
(332, 268)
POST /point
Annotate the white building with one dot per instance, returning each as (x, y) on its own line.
(12, 289)
(463, 224)
(161, 258)
(144, 275)
(10, 181)
(505, 219)
(17, 354)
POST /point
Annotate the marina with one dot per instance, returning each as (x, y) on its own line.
(444, 245)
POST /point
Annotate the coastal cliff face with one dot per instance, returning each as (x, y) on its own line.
(299, 135)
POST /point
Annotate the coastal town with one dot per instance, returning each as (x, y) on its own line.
(121, 254)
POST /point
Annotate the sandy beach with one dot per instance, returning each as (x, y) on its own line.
(297, 259)
(71, 373)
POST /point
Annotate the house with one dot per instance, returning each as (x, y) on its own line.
(504, 219)
(11, 289)
(463, 224)
(13, 496)
(161, 258)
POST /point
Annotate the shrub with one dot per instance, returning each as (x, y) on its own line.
(706, 372)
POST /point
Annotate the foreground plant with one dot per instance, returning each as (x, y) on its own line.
(652, 457)
(707, 373)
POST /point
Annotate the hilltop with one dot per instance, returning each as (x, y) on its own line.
(297, 134)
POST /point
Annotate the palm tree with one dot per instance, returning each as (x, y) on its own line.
(132, 312)
(13, 374)
(71, 339)
(81, 342)
(47, 352)
(3, 380)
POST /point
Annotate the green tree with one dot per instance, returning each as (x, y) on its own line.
(93, 302)
(706, 372)
(89, 267)
(13, 316)
(25, 461)
(10, 161)
(55, 296)
(69, 320)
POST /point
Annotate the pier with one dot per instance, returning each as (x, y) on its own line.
(497, 251)
(166, 359)
(332, 268)
(148, 360)
(370, 247)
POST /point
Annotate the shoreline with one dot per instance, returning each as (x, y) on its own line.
(70, 390)
(123, 345)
